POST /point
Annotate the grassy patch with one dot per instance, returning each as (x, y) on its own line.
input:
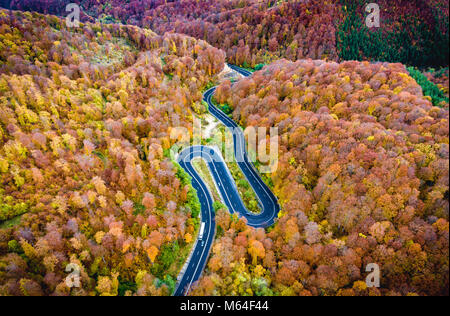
(201, 167)
(193, 201)
(246, 192)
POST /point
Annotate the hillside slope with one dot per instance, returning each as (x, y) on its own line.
(413, 32)
(362, 178)
(85, 117)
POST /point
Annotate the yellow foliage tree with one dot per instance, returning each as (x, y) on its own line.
(188, 238)
(152, 252)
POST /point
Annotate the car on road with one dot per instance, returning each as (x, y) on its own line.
(228, 189)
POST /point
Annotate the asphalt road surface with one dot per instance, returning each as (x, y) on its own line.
(227, 189)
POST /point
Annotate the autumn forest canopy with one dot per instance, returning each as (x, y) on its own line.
(87, 112)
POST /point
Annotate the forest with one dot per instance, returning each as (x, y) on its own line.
(259, 31)
(363, 177)
(85, 118)
(86, 115)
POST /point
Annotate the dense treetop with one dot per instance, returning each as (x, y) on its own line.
(85, 117)
(362, 178)
(413, 32)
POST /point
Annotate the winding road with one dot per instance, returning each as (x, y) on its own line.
(227, 189)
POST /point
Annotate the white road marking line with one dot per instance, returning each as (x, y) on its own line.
(246, 163)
